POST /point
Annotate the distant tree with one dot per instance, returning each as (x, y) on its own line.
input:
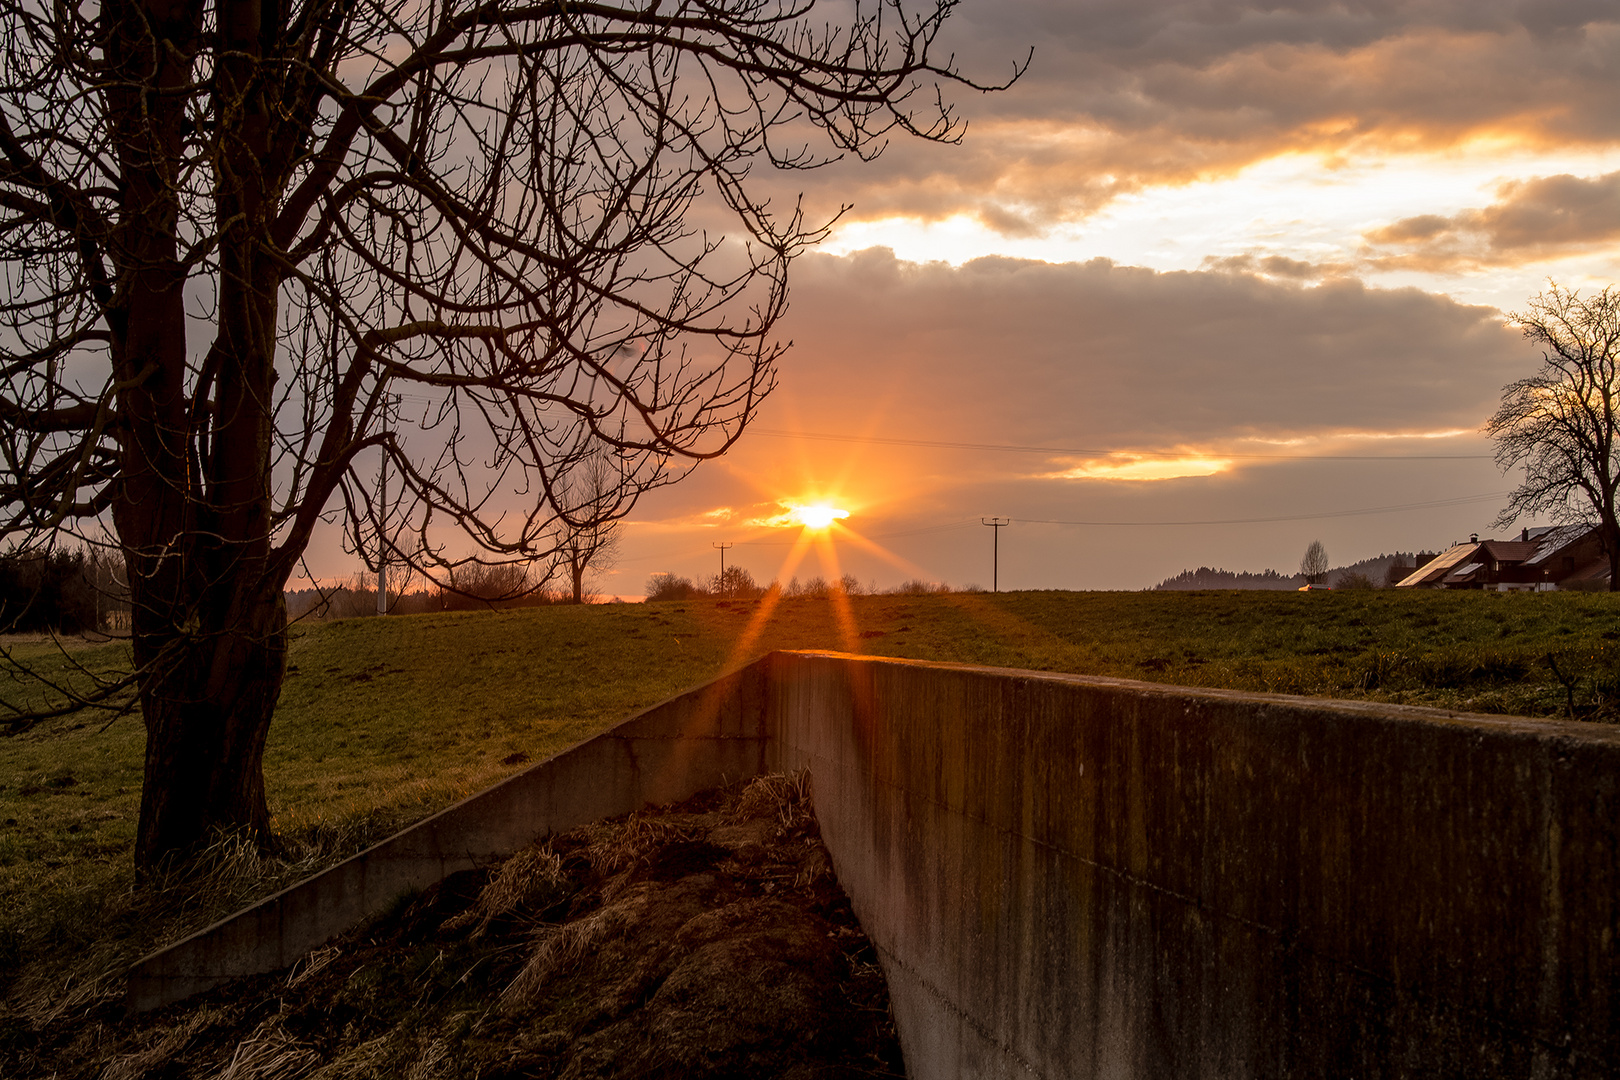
(815, 588)
(1561, 424)
(735, 584)
(1206, 577)
(673, 587)
(237, 235)
(1314, 566)
(47, 591)
(488, 586)
(594, 493)
(1356, 579)
(109, 577)
(919, 587)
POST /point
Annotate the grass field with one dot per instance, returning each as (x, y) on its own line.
(385, 720)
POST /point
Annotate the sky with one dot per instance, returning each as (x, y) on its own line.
(1211, 281)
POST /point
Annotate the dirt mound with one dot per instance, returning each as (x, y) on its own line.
(709, 939)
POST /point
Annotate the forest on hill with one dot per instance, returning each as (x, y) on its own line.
(1379, 571)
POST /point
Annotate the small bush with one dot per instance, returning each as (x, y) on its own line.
(477, 585)
(919, 587)
(815, 588)
(673, 587)
(735, 584)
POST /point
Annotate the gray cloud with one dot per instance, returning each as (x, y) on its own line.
(1275, 266)
(1532, 219)
(1124, 94)
(1100, 355)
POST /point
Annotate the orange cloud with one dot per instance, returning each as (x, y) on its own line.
(1142, 467)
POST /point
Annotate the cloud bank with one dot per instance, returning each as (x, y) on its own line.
(1124, 94)
(1095, 355)
(1541, 218)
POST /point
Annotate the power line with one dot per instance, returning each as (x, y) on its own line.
(964, 523)
(940, 444)
(1461, 500)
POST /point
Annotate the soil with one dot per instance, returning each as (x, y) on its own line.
(704, 940)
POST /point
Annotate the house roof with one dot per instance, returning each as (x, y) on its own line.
(1509, 550)
(1436, 567)
(1458, 563)
(1555, 540)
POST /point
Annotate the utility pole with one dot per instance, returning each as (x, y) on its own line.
(382, 515)
(721, 581)
(997, 524)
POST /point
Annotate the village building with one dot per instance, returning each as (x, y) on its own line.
(1541, 559)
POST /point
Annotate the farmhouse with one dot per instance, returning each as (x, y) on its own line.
(1541, 559)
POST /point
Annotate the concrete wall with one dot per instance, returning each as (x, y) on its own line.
(1080, 877)
(670, 752)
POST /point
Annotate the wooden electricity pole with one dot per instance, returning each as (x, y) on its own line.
(997, 524)
(720, 582)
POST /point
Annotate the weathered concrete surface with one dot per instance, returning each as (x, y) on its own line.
(1084, 877)
(668, 753)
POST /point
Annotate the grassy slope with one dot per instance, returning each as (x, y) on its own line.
(383, 721)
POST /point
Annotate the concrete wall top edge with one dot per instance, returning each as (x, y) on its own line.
(663, 721)
(1495, 723)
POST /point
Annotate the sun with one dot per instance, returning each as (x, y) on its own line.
(818, 516)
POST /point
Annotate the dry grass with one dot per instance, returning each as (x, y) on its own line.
(559, 948)
(270, 1054)
(523, 880)
(368, 1059)
(617, 846)
(131, 922)
(622, 844)
(162, 1049)
(784, 796)
(521, 969)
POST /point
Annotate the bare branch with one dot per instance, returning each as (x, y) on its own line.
(1561, 424)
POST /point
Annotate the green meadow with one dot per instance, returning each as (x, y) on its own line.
(383, 721)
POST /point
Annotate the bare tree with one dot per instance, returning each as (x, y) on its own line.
(588, 534)
(233, 232)
(475, 585)
(735, 583)
(1561, 424)
(1314, 566)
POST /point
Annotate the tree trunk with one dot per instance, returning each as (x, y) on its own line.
(1611, 546)
(208, 708)
(192, 509)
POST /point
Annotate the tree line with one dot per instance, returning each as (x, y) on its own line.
(1378, 571)
(472, 587)
(737, 583)
(65, 591)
